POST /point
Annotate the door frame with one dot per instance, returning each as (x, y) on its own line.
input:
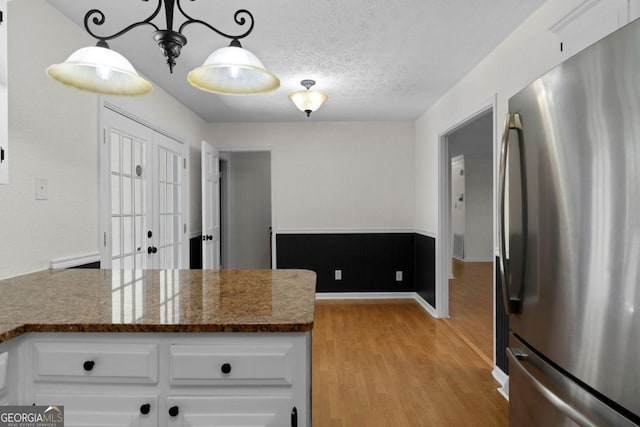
(443, 247)
(104, 191)
(271, 150)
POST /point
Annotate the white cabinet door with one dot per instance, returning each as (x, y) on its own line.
(191, 411)
(4, 110)
(104, 410)
(590, 21)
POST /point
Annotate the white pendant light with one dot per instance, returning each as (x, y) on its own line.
(233, 70)
(102, 70)
(308, 100)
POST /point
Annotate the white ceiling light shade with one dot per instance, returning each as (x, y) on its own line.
(308, 100)
(101, 70)
(230, 70)
(233, 70)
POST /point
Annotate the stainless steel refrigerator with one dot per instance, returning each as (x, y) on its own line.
(570, 239)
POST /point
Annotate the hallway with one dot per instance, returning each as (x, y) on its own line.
(471, 305)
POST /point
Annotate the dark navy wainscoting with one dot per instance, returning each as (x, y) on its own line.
(502, 325)
(195, 253)
(425, 262)
(89, 265)
(368, 261)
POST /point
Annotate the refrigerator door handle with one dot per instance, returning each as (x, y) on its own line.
(517, 356)
(512, 304)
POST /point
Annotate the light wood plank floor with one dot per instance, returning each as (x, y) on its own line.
(471, 304)
(389, 363)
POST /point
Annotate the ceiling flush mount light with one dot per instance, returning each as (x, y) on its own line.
(308, 100)
(230, 70)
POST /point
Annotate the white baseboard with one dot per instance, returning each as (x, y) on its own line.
(377, 295)
(503, 379)
(74, 261)
(425, 305)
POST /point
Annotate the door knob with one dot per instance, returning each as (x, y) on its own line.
(209, 237)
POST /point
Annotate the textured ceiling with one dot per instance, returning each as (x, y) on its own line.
(376, 59)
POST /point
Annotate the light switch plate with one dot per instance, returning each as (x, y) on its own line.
(42, 189)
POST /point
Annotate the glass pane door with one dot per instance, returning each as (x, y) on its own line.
(169, 203)
(141, 202)
(129, 195)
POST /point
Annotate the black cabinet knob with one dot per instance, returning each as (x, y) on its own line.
(145, 409)
(174, 411)
(88, 365)
(225, 368)
(152, 250)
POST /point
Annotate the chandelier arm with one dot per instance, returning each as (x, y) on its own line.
(99, 18)
(240, 20)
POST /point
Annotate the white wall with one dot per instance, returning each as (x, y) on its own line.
(478, 237)
(527, 53)
(329, 176)
(53, 132)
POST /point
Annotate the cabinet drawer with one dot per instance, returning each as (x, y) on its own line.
(232, 364)
(230, 411)
(104, 410)
(96, 362)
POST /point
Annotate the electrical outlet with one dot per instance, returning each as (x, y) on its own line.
(338, 274)
(42, 188)
(399, 276)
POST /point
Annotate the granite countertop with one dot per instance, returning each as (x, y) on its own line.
(78, 300)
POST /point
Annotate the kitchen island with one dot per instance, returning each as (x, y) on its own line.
(160, 347)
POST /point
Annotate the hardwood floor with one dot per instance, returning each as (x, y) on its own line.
(388, 363)
(471, 305)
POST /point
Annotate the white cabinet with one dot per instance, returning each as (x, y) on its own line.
(232, 364)
(4, 109)
(192, 411)
(104, 409)
(95, 362)
(590, 21)
(170, 380)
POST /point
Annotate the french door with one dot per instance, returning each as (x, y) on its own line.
(142, 200)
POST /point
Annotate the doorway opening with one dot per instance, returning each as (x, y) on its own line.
(245, 209)
(466, 254)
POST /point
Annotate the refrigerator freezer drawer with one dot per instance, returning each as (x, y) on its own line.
(540, 395)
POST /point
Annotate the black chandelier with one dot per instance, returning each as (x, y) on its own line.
(229, 70)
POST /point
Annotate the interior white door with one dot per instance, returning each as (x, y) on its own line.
(210, 207)
(142, 197)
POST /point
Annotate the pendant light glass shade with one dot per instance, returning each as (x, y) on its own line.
(233, 70)
(101, 70)
(308, 100)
